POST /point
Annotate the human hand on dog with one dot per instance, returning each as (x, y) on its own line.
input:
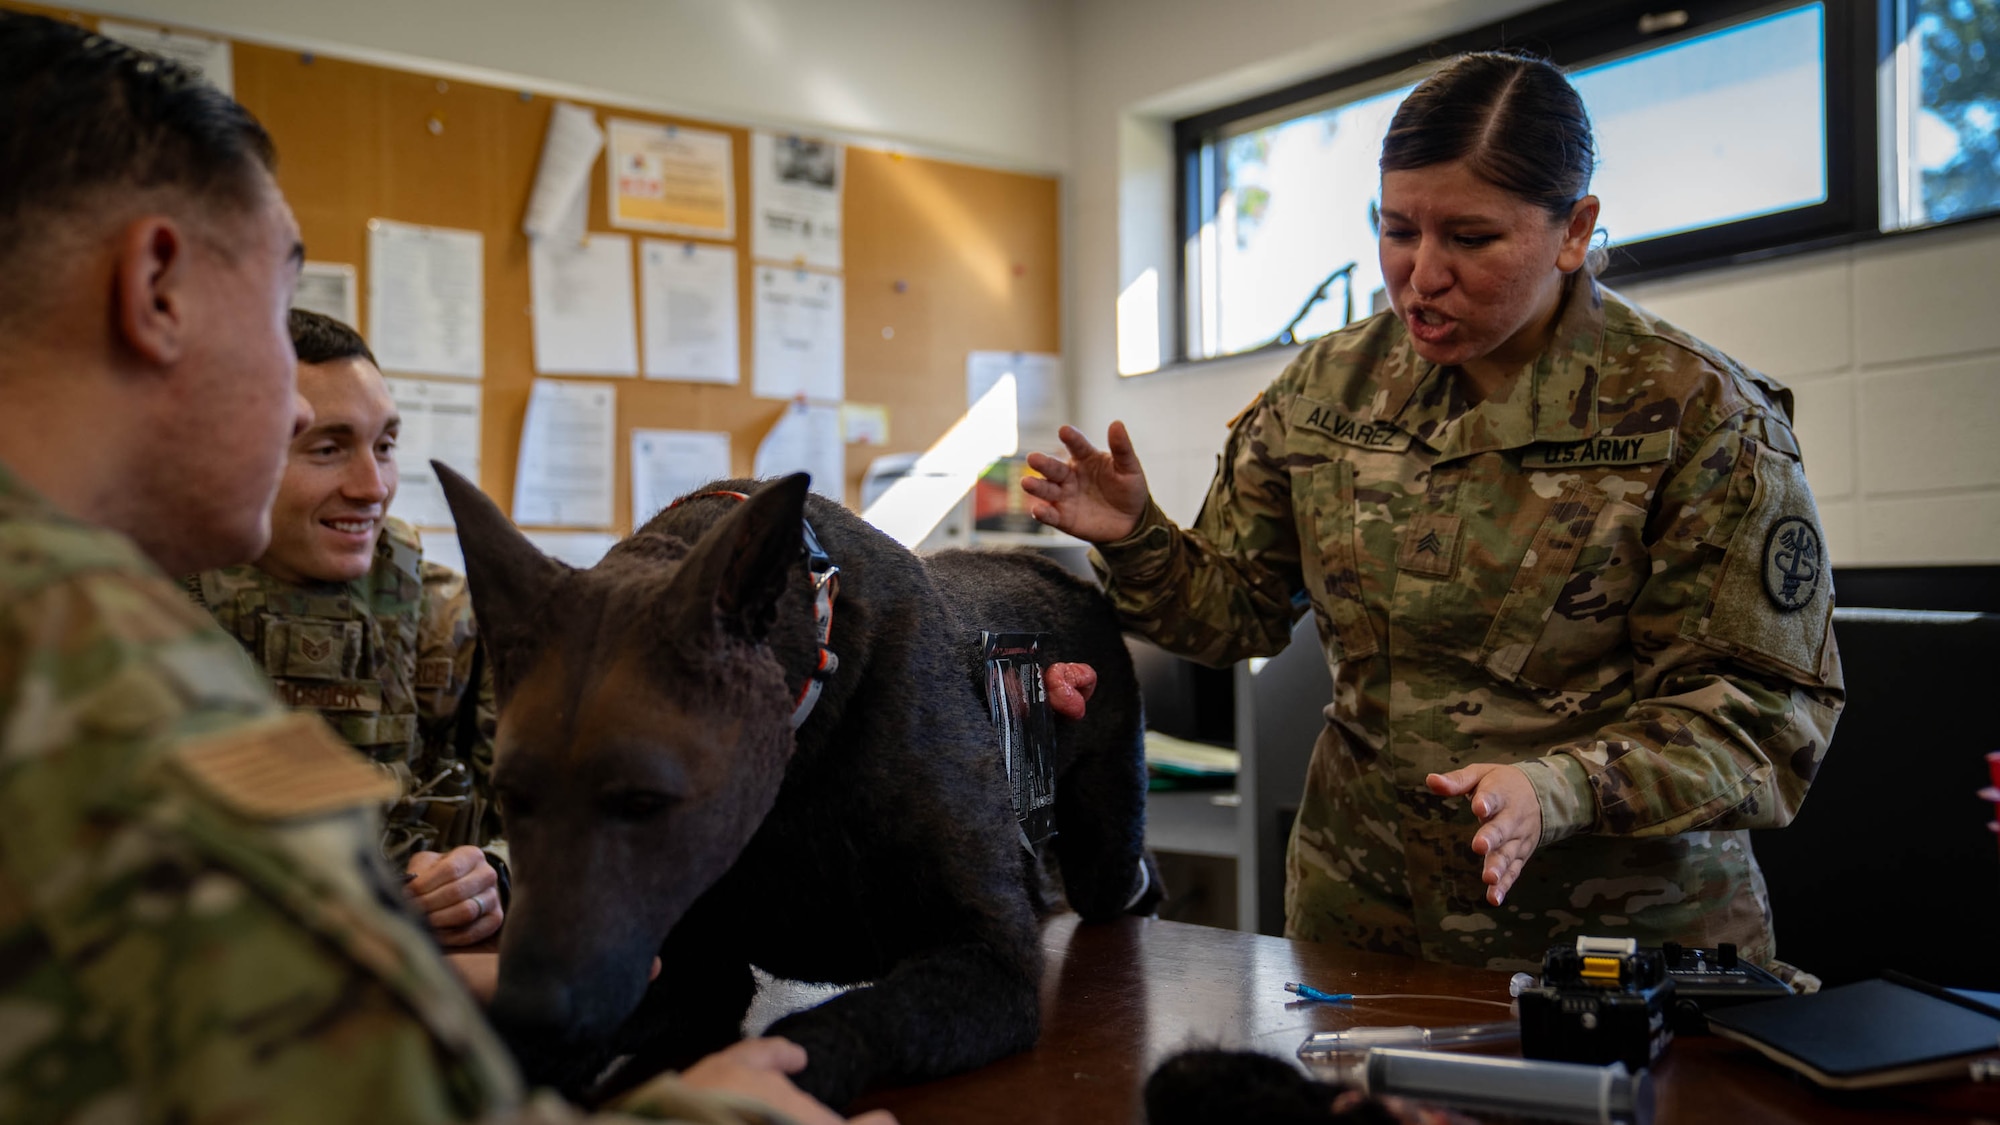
(1070, 686)
(1097, 495)
(757, 1068)
(458, 893)
(1510, 819)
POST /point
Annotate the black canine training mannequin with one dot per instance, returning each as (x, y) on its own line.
(657, 800)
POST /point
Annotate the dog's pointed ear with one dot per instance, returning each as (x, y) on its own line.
(736, 573)
(509, 578)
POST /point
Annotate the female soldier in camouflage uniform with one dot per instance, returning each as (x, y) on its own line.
(1562, 557)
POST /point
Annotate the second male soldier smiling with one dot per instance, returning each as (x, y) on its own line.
(345, 617)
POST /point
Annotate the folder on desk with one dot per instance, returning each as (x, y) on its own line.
(1872, 1033)
(1188, 764)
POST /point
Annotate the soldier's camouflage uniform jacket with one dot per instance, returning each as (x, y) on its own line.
(391, 661)
(194, 923)
(1610, 574)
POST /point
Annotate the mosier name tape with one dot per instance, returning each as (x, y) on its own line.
(336, 696)
(1310, 415)
(1637, 449)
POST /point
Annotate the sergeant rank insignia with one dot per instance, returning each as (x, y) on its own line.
(1430, 546)
(1793, 560)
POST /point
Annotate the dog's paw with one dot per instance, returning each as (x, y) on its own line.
(1150, 889)
(1201, 1087)
(838, 1065)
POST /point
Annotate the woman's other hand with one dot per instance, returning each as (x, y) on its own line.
(1510, 819)
(1097, 495)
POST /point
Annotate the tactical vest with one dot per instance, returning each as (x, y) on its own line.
(349, 651)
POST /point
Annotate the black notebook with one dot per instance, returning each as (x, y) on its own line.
(1874, 1033)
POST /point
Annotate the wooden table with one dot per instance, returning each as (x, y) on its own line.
(1119, 997)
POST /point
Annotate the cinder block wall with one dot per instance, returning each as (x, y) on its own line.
(1893, 349)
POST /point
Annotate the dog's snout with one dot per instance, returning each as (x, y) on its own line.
(538, 1011)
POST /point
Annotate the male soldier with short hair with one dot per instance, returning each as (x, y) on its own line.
(348, 619)
(194, 923)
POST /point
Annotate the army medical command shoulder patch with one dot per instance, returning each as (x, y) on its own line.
(1773, 591)
(1793, 560)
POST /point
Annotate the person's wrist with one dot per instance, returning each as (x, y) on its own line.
(1148, 518)
(503, 881)
(1138, 521)
(1562, 794)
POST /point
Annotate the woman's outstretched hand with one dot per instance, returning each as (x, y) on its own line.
(1510, 819)
(1097, 495)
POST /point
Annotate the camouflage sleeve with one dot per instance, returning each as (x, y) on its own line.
(1227, 589)
(1737, 681)
(171, 956)
(485, 720)
(455, 693)
(189, 926)
(446, 637)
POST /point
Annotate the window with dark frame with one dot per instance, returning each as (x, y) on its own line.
(1940, 93)
(1727, 131)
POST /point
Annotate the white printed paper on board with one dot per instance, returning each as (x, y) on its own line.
(426, 299)
(795, 191)
(800, 335)
(330, 289)
(580, 549)
(671, 179)
(807, 438)
(440, 423)
(206, 56)
(564, 476)
(559, 205)
(688, 293)
(583, 319)
(669, 464)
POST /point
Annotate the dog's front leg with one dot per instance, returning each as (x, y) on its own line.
(940, 1012)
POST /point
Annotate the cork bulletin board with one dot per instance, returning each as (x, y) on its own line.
(940, 258)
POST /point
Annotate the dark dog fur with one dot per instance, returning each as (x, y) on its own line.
(656, 800)
(1207, 1087)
